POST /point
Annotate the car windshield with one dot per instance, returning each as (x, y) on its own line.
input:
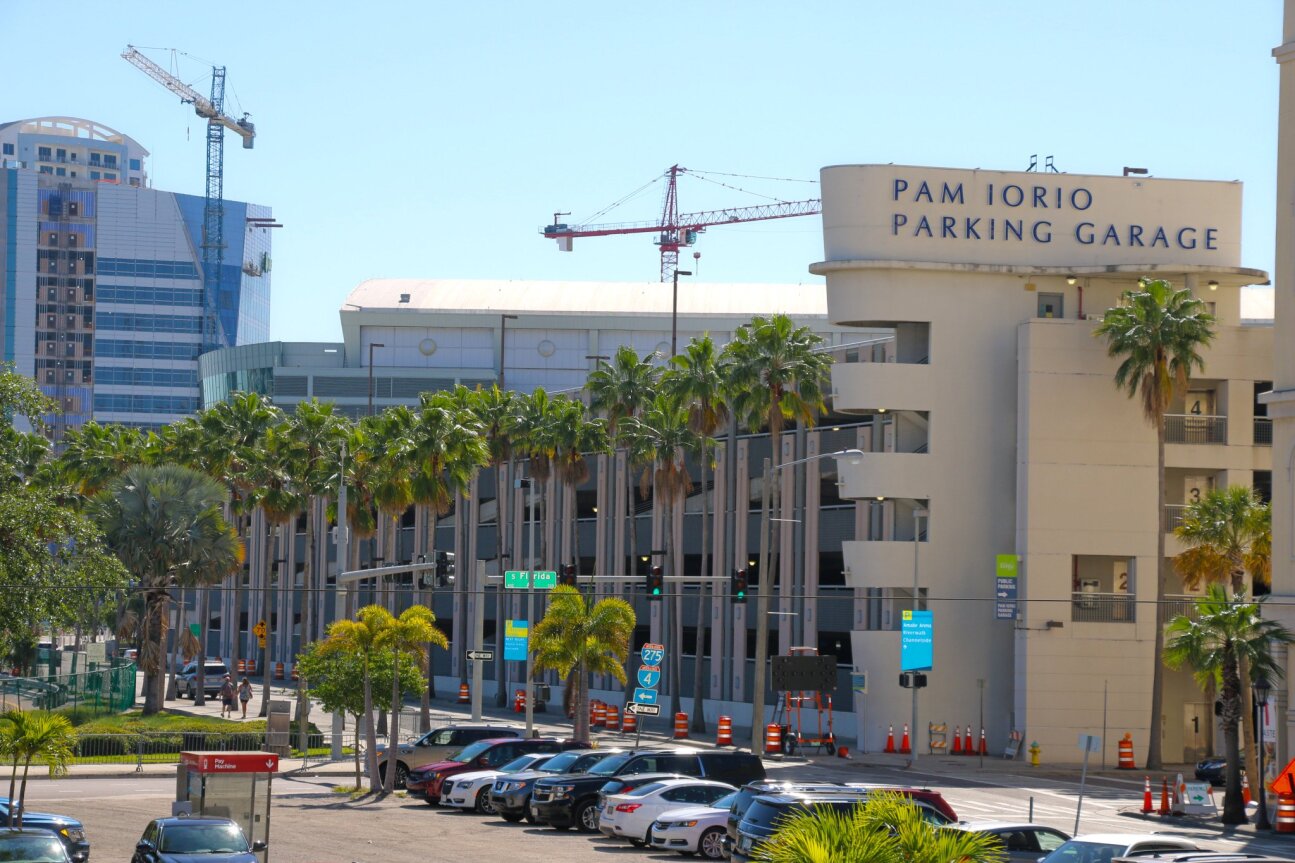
(763, 815)
(725, 801)
(608, 766)
(644, 790)
(471, 751)
(1079, 851)
(519, 763)
(559, 763)
(203, 839)
(31, 848)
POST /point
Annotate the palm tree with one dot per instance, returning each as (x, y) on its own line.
(575, 640)
(26, 737)
(1156, 333)
(410, 634)
(164, 523)
(360, 637)
(93, 455)
(662, 429)
(1228, 533)
(389, 448)
(1223, 635)
(576, 437)
(885, 828)
(695, 381)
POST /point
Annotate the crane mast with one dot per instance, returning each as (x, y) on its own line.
(674, 230)
(213, 211)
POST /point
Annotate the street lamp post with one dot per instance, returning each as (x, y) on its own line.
(674, 311)
(1261, 689)
(372, 345)
(762, 595)
(918, 513)
(503, 345)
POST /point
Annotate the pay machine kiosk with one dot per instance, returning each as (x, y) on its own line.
(233, 785)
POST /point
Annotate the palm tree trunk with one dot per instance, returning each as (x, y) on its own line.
(13, 784)
(1234, 811)
(673, 603)
(22, 791)
(703, 612)
(1154, 757)
(370, 735)
(269, 618)
(581, 724)
(502, 472)
(429, 692)
(393, 736)
(358, 726)
(204, 615)
(154, 641)
(180, 624)
(307, 622)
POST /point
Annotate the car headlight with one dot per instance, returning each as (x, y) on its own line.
(562, 789)
(465, 784)
(505, 787)
(685, 824)
(74, 834)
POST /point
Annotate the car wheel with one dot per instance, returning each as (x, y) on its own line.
(511, 817)
(402, 775)
(711, 844)
(586, 817)
(484, 806)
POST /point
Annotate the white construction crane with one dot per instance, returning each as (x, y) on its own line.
(202, 106)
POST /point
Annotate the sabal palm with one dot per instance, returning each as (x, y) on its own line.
(695, 381)
(360, 637)
(575, 640)
(94, 455)
(1156, 333)
(1223, 637)
(161, 521)
(410, 635)
(885, 828)
(48, 738)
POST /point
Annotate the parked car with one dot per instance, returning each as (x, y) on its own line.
(630, 815)
(30, 845)
(472, 790)
(1023, 842)
(767, 811)
(572, 801)
(438, 745)
(213, 675)
(483, 755)
(626, 784)
(1203, 857)
(1101, 847)
(195, 840)
(694, 830)
(1214, 769)
(511, 795)
(68, 830)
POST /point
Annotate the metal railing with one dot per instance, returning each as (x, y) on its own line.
(1174, 515)
(1196, 429)
(1179, 605)
(1102, 608)
(1263, 431)
(99, 692)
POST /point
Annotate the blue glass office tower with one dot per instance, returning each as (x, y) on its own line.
(101, 280)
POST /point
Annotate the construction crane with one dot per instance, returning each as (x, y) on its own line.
(675, 230)
(213, 211)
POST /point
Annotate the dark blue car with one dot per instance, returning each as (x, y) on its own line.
(68, 830)
(195, 840)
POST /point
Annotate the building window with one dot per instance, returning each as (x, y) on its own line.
(8, 149)
(43, 154)
(110, 177)
(94, 175)
(1102, 589)
(49, 376)
(60, 154)
(135, 165)
(53, 239)
(46, 169)
(71, 241)
(60, 172)
(1050, 305)
(71, 208)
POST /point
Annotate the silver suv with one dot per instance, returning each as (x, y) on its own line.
(438, 745)
(213, 675)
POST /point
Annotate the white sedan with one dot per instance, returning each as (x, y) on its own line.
(631, 815)
(472, 790)
(695, 829)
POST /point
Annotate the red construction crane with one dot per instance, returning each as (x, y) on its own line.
(677, 230)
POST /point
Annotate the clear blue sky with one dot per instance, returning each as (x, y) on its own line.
(414, 139)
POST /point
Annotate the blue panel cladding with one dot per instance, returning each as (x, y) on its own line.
(234, 224)
(11, 259)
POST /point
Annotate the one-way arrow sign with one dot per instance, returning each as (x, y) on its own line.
(643, 709)
(480, 655)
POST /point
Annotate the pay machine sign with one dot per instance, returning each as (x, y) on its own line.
(652, 654)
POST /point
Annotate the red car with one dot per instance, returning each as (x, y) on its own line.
(483, 755)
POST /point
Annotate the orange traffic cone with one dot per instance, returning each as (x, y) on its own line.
(984, 749)
(957, 740)
(904, 748)
(1147, 806)
(1245, 789)
(967, 747)
(1164, 798)
(890, 739)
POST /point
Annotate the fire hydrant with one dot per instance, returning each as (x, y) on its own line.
(1034, 754)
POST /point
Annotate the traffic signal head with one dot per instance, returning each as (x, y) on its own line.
(738, 588)
(656, 583)
(568, 575)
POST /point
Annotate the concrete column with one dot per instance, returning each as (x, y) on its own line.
(786, 480)
(809, 600)
(720, 601)
(742, 554)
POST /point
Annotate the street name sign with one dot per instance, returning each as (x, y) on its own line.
(545, 580)
(480, 655)
(643, 709)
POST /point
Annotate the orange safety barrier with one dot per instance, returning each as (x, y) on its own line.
(600, 715)
(772, 739)
(957, 741)
(242, 666)
(968, 748)
(251, 666)
(1126, 753)
(1147, 805)
(1285, 813)
(519, 701)
(465, 694)
(681, 726)
(890, 739)
(724, 733)
(1245, 789)
(613, 718)
(984, 749)
(630, 723)
(278, 671)
(295, 675)
(904, 748)
(1164, 798)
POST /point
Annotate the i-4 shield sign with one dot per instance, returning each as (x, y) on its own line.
(645, 696)
(649, 677)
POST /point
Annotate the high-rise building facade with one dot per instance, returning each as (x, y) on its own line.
(101, 278)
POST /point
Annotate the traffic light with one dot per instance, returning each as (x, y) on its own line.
(737, 590)
(655, 583)
(444, 569)
(568, 575)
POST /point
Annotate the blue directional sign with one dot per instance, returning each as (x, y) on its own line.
(1005, 599)
(916, 641)
(645, 696)
(649, 677)
(652, 654)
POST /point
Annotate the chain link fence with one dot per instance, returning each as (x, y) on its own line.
(103, 691)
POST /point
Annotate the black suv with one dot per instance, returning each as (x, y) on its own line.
(572, 801)
(752, 790)
(68, 830)
(511, 794)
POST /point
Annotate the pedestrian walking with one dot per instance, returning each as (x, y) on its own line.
(227, 697)
(244, 694)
